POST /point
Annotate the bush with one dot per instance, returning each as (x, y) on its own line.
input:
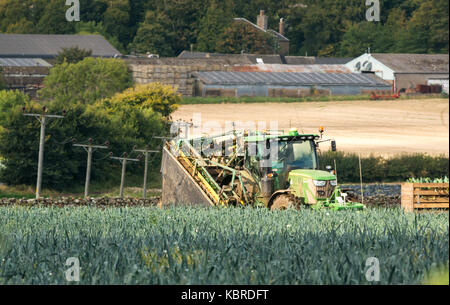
(161, 98)
(72, 55)
(10, 99)
(377, 169)
(86, 81)
(124, 125)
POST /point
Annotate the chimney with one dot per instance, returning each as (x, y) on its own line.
(262, 20)
(282, 26)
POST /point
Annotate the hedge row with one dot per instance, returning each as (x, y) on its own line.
(378, 169)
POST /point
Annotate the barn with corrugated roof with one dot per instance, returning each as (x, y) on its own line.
(25, 59)
(285, 84)
(48, 46)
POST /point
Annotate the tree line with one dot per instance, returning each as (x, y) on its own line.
(100, 102)
(314, 27)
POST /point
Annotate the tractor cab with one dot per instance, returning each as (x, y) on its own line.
(277, 155)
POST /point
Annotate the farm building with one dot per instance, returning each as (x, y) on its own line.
(439, 81)
(403, 71)
(25, 74)
(292, 68)
(285, 84)
(178, 71)
(22, 56)
(48, 46)
(269, 58)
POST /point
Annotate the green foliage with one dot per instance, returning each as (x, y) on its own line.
(154, 36)
(360, 36)
(97, 28)
(427, 31)
(162, 99)
(116, 19)
(19, 146)
(212, 25)
(72, 55)
(377, 169)
(428, 180)
(9, 100)
(53, 19)
(324, 27)
(169, 28)
(237, 246)
(86, 81)
(122, 122)
(437, 276)
(243, 37)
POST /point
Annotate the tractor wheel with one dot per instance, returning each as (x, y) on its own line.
(284, 202)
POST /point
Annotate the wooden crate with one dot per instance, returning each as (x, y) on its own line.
(419, 196)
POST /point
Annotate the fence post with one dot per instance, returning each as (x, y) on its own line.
(408, 197)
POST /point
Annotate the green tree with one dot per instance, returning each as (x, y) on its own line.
(124, 121)
(428, 29)
(72, 55)
(243, 37)
(162, 99)
(53, 19)
(116, 19)
(97, 28)
(10, 99)
(86, 81)
(92, 10)
(169, 28)
(363, 35)
(17, 17)
(218, 17)
(154, 36)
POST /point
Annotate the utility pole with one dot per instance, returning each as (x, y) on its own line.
(89, 148)
(146, 151)
(123, 160)
(360, 178)
(42, 118)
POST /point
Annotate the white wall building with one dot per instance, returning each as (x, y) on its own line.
(443, 82)
(403, 71)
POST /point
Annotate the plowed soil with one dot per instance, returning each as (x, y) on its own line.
(379, 127)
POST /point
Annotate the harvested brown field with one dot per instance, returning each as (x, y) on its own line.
(379, 127)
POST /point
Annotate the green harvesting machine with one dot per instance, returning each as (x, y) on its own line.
(275, 169)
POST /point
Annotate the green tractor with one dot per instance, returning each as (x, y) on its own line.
(275, 169)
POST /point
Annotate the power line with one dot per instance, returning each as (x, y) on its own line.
(146, 151)
(89, 148)
(42, 118)
(124, 161)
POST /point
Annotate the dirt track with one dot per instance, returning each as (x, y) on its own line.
(380, 127)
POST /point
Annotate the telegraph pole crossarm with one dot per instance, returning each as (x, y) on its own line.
(146, 151)
(89, 148)
(124, 161)
(42, 118)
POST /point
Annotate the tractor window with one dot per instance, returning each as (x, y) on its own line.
(298, 154)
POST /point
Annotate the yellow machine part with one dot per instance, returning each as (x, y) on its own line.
(205, 185)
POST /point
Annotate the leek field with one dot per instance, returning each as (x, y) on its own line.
(219, 246)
